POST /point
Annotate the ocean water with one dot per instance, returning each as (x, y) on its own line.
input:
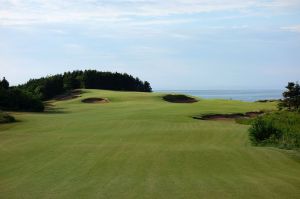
(243, 95)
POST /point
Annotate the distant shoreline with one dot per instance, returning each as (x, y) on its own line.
(250, 95)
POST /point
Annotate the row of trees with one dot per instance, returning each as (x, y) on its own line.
(29, 96)
(114, 81)
(48, 87)
(45, 88)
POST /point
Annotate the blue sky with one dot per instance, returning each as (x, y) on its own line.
(174, 44)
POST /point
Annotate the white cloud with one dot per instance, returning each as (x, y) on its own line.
(20, 12)
(294, 28)
(74, 48)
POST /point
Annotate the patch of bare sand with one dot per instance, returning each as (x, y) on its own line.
(95, 100)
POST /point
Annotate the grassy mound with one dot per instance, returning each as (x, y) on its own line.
(5, 118)
(179, 99)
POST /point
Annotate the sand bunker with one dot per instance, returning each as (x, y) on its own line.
(95, 100)
(179, 99)
(265, 101)
(228, 116)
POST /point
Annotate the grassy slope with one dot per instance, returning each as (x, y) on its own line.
(139, 146)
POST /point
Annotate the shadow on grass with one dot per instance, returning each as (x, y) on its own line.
(179, 98)
(52, 109)
(69, 95)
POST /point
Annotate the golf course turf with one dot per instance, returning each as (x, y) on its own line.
(140, 146)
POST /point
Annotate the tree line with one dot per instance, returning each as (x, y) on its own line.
(29, 96)
(48, 87)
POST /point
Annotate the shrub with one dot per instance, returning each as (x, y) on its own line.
(5, 118)
(280, 129)
(19, 100)
(263, 130)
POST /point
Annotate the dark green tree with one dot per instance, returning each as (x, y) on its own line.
(72, 80)
(291, 97)
(147, 87)
(4, 84)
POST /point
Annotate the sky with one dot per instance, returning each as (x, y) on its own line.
(173, 44)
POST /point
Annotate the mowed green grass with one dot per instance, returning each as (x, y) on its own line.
(139, 146)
